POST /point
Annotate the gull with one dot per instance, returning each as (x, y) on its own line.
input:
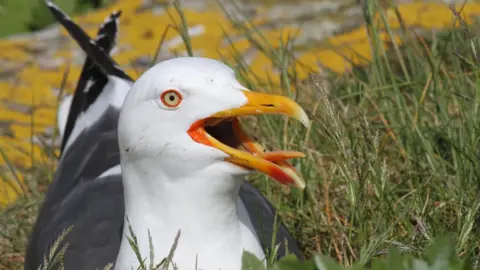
(166, 156)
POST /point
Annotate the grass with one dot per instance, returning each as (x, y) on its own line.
(392, 156)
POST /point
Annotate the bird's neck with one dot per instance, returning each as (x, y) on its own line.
(203, 208)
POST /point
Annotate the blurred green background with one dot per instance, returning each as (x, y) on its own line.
(18, 16)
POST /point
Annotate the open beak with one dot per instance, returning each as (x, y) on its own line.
(242, 150)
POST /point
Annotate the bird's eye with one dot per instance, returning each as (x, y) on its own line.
(171, 98)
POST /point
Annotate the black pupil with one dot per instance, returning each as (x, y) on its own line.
(171, 97)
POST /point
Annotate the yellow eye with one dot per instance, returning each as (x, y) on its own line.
(171, 98)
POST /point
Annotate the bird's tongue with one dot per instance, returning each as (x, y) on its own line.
(280, 170)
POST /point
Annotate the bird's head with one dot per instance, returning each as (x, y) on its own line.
(183, 113)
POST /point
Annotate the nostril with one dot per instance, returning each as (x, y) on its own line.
(267, 105)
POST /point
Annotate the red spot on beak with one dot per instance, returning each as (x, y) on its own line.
(280, 176)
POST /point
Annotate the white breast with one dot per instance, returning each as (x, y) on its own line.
(219, 251)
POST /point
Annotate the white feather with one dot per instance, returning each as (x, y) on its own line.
(115, 170)
(62, 114)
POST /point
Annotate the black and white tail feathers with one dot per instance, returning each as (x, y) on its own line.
(92, 80)
(97, 68)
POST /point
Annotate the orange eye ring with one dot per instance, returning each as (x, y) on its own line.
(171, 98)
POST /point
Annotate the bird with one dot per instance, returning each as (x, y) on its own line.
(165, 157)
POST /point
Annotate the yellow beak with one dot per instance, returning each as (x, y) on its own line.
(274, 163)
(260, 103)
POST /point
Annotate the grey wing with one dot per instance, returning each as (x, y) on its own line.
(262, 216)
(78, 197)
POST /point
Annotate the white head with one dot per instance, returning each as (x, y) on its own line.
(183, 155)
(181, 117)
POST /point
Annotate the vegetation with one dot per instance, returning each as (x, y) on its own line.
(392, 160)
(18, 16)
